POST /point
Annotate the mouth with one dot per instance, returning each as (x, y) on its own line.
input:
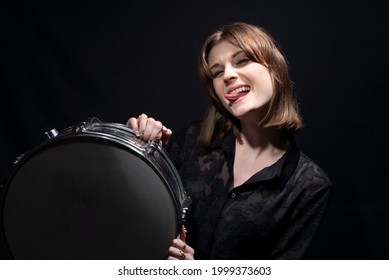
(233, 96)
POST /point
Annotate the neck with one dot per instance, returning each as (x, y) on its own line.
(254, 136)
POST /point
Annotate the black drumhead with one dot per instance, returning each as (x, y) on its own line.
(88, 198)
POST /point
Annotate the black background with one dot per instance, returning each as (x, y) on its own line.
(64, 61)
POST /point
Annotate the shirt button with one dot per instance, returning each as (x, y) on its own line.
(233, 195)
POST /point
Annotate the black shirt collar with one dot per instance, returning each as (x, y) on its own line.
(277, 174)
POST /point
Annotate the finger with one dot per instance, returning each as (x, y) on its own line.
(149, 129)
(166, 134)
(176, 254)
(133, 124)
(157, 131)
(142, 122)
(181, 246)
(172, 255)
(183, 233)
(178, 243)
(179, 250)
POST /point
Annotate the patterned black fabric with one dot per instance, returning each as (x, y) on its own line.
(273, 215)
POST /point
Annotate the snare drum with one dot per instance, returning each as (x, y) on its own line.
(93, 191)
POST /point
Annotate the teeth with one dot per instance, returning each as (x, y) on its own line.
(238, 90)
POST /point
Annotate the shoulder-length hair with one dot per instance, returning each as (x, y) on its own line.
(259, 46)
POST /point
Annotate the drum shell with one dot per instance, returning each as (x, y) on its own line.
(89, 194)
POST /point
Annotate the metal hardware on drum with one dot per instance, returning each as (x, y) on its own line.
(18, 159)
(153, 146)
(51, 134)
(92, 191)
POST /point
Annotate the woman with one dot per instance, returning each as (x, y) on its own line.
(254, 194)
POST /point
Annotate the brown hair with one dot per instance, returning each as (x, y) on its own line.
(259, 46)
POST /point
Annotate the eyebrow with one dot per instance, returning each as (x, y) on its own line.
(233, 56)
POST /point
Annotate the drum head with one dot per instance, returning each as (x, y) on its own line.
(88, 198)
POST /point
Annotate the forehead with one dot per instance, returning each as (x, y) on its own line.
(222, 51)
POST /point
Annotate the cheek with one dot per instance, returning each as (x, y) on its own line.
(265, 84)
(218, 89)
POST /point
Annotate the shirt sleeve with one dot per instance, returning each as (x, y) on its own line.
(311, 196)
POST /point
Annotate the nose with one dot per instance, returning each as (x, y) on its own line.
(229, 74)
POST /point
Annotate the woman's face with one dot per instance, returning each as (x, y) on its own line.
(242, 86)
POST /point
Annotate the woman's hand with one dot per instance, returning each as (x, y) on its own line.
(149, 128)
(179, 250)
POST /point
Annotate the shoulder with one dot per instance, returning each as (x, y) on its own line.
(193, 128)
(184, 140)
(188, 134)
(309, 184)
(309, 174)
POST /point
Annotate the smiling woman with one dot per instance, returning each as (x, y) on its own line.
(252, 44)
(254, 194)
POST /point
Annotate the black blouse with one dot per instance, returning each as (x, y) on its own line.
(273, 215)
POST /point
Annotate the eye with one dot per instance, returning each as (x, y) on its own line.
(217, 73)
(242, 61)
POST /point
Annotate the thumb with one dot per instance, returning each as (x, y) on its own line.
(183, 233)
(166, 134)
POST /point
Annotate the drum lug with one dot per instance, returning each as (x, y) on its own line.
(18, 159)
(51, 134)
(185, 206)
(80, 129)
(153, 146)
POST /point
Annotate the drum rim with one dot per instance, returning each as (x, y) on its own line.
(86, 129)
